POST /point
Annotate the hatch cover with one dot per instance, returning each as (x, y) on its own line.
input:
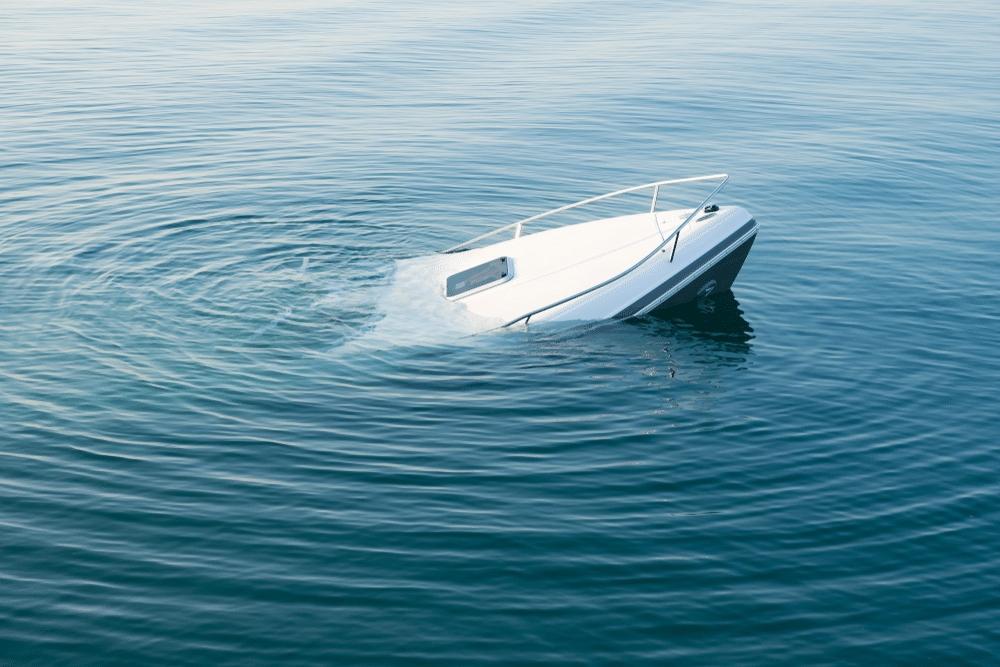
(495, 270)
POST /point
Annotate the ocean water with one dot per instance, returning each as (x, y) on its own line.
(235, 430)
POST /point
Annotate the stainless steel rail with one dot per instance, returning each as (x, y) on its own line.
(516, 226)
(675, 235)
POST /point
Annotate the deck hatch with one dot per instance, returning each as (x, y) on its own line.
(478, 276)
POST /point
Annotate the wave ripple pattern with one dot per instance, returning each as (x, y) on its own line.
(239, 429)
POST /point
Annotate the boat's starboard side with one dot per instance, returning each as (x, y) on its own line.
(556, 264)
(657, 281)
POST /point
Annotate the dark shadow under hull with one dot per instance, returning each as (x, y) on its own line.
(717, 317)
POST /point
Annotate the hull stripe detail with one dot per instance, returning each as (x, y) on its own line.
(692, 268)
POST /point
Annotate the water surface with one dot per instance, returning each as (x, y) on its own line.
(232, 437)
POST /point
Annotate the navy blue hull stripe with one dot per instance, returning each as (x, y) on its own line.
(693, 267)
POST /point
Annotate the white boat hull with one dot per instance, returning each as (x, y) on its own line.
(548, 267)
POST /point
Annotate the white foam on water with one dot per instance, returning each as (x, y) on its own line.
(413, 311)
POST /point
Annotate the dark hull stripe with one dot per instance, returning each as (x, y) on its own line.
(680, 277)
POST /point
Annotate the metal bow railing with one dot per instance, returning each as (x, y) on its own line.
(517, 226)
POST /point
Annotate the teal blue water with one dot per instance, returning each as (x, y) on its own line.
(230, 438)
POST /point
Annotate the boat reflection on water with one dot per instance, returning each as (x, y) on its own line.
(686, 355)
(704, 341)
(715, 318)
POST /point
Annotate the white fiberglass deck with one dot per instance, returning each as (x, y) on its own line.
(552, 265)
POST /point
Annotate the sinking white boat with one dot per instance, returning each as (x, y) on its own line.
(610, 268)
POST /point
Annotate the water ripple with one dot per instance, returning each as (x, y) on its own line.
(235, 432)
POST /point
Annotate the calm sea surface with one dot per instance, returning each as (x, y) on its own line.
(230, 434)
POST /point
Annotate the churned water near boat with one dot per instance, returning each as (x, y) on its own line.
(238, 431)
